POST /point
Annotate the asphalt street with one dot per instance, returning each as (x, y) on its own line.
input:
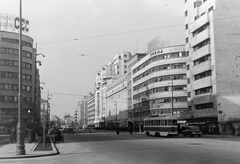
(109, 148)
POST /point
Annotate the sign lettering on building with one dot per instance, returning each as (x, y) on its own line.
(157, 52)
(12, 23)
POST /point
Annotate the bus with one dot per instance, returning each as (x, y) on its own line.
(165, 125)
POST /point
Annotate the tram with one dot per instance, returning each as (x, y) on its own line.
(165, 125)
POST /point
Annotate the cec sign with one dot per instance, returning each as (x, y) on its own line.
(12, 23)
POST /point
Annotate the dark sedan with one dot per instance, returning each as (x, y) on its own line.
(192, 131)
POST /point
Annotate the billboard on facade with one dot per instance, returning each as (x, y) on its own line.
(11, 23)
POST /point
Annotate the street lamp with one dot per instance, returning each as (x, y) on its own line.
(20, 131)
(116, 118)
(48, 108)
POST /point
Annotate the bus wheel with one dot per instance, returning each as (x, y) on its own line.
(147, 133)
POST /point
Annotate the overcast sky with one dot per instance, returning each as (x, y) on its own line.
(65, 29)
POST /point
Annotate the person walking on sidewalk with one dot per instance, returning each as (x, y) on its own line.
(13, 135)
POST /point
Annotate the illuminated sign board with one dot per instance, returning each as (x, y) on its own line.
(12, 23)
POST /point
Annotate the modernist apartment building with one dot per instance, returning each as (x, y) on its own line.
(9, 68)
(159, 83)
(116, 109)
(213, 45)
(44, 113)
(81, 112)
(91, 111)
(120, 63)
(133, 60)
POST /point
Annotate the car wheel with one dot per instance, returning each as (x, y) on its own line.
(199, 135)
(147, 133)
(191, 135)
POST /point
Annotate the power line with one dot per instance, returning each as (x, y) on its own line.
(106, 35)
(128, 32)
(64, 94)
(84, 55)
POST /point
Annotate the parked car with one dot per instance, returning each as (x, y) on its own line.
(52, 131)
(59, 137)
(68, 130)
(192, 131)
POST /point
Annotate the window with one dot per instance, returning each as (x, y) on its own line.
(201, 44)
(189, 94)
(196, 17)
(186, 26)
(203, 90)
(200, 29)
(210, 9)
(204, 106)
(202, 59)
(203, 75)
(188, 80)
(186, 40)
(202, 13)
(186, 13)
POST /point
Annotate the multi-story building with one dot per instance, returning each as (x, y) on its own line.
(159, 84)
(81, 112)
(133, 60)
(44, 113)
(213, 41)
(91, 110)
(9, 68)
(120, 63)
(116, 103)
(103, 77)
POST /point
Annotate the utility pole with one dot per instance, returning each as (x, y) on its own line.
(48, 109)
(116, 119)
(20, 131)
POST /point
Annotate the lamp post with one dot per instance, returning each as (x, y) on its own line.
(116, 119)
(20, 131)
(48, 109)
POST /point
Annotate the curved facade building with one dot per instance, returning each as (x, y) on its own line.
(160, 83)
(9, 68)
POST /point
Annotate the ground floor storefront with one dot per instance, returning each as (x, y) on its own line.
(211, 125)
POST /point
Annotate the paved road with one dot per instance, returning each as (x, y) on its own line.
(109, 148)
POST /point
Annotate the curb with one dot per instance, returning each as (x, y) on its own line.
(55, 152)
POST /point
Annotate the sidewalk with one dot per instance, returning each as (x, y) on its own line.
(8, 151)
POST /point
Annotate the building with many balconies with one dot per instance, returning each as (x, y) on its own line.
(9, 72)
(212, 42)
(159, 83)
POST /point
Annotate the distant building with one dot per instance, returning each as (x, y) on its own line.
(81, 112)
(44, 113)
(120, 63)
(131, 62)
(91, 110)
(116, 112)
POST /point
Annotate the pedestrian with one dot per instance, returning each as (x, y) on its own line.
(13, 135)
(130, 129)
(233, 130)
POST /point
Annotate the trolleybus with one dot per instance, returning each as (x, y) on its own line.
(161, 126)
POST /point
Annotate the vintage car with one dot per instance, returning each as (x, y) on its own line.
(192, 131)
